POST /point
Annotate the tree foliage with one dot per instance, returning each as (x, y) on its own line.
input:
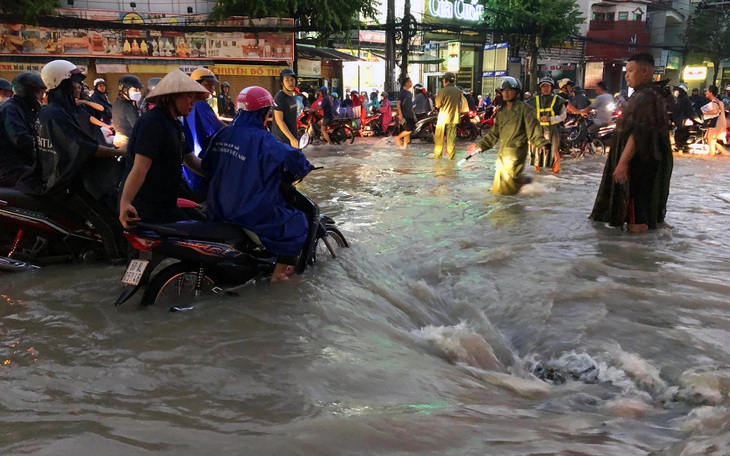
(708, 34)
(29, 9)
(326, 16)
(531, 25)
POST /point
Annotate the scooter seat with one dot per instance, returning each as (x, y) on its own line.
(204, 231)
(44, 205)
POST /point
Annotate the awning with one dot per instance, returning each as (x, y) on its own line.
(325, 53)
(415, 59)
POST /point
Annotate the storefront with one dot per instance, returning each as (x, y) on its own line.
(460, 53)
(241, 59)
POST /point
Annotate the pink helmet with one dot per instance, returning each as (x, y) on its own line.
(254, 98)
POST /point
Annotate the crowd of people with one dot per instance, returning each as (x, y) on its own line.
(52, 147)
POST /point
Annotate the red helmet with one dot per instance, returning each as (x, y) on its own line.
(254, 98)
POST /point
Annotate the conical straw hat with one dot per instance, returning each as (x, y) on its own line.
(176, 82)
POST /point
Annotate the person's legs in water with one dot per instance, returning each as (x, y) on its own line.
(451, 140)
(438, 139)
(404, 137)
(555, 148)
(285, 266)
(408, 128)
(323, 124)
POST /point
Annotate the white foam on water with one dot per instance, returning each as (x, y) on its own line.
(535, 188)
(460, 345)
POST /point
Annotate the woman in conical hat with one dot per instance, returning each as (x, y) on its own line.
(156, 152)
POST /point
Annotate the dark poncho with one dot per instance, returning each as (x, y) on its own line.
(650, 170)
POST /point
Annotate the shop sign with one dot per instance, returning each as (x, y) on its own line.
(371, 36)
(309, 68)
(463, 10)
(21, 39)
(694, 73)
(328, 70)
(246, 70)
(659, 70)
(104, 68)
(454, 56)
(494, 74)
(37, 67)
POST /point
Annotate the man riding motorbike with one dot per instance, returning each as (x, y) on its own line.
(70, 166)
(244, 166)
(18, 116)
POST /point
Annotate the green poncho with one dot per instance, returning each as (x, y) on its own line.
(513, 128)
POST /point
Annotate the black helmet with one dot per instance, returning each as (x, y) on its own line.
(5, 84)
(128, 80)
(449, 77)
(577, 89)
(508, 82)
(26, 83)
(225, 84)
(152, 83)
(547, 80)
(286, 72)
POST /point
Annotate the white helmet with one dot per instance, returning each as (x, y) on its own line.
(55, 72)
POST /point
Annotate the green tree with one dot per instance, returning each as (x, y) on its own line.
(326, 16)
(532, 25)
(708, 34)
(29, 10)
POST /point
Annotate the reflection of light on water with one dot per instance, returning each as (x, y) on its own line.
(360, 410)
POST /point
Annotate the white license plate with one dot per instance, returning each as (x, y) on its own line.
(134, 272)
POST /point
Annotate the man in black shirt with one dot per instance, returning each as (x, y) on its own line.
(156, 152)
(405, 114)
(226, 107)
(285, 109)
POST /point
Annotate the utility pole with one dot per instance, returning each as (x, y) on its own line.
(406, 34)
(390, 47)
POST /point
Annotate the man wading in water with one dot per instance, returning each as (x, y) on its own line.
(635, 184)
(514, 125)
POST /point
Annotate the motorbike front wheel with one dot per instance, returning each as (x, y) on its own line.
(468, 132)
(176, 286)
(329, 246)
(345, 134)
(597, 147)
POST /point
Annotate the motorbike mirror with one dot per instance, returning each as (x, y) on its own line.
(304, 140)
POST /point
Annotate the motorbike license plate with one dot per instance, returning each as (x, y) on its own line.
(134, 272)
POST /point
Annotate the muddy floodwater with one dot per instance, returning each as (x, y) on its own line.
(458, 323)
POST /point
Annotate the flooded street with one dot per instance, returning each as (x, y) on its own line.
(426, 337)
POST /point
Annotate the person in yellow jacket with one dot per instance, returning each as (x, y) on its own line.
(551, 112)
(515, 124)
(449, 103)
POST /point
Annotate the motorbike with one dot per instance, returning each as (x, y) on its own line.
(37, 231)
(373, 126)
(216, 257)
(340, 129)
(487, 119)
(468, 129)
(425, 128)
(575, 141)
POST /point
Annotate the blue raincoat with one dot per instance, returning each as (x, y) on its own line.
(244, 165)
(199, 126)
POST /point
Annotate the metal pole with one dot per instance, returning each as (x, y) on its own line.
(390, 48)
(406, 37)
